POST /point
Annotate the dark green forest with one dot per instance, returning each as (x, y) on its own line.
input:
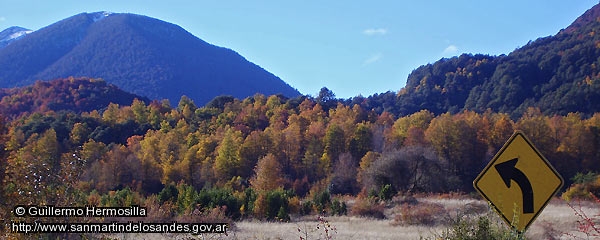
(557, 74)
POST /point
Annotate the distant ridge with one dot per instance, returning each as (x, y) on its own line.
(12, 34)
(72, 94)
(139, 54)
(557, 74)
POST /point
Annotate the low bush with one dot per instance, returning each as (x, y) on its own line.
(423, 213)
(368, 207)
(306, 207)
(584, 187)
(338, 207)
(476, 228)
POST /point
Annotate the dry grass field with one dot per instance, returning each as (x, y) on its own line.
(557, 221)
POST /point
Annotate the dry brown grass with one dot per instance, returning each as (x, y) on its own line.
(557, 221)
(559, 218)
(346, 228)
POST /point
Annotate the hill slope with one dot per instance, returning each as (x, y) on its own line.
(139, 54)
(558, 74)
(73, 94)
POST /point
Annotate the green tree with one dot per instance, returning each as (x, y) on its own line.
(335, 144)
(140, 111)
(79, 133)
(362, 141)
(227, 162)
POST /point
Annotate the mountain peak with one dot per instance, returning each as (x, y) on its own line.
(97, 16)
(12, 34)
(590, 16)
(140, 54)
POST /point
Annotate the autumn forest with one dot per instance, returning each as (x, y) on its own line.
(263, 157)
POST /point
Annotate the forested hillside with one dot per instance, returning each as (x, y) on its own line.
(264, 156)
(558, 74)
(72, 94)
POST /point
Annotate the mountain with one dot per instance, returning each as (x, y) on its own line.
(12, 34)
(73, 94)
(558, 74)
(139, 54)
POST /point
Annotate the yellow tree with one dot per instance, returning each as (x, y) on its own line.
(578, 142)
(455, 138)
(335, 144)
(418, 120)
(361, 141)
(148, 152)
(501, 131)
(255, 146)
(32, 171)
(79, 133)
(267, 178)
(536, 127)
(365, 163)
(111, 114)
(268, 174)
(227, 162)
(593, 125)
(292, 143)
(311, 164)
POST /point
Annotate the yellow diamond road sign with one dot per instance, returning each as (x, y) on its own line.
(519, 182)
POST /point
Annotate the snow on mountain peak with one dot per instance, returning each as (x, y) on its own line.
(101, 15)
(19, 34)
(12, 34)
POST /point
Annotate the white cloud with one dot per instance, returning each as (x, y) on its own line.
(375, 31)
(374, 58)
(452, 49)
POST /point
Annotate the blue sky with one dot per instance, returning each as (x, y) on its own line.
(353, 48)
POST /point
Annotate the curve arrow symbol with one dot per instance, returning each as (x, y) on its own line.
(508, 172)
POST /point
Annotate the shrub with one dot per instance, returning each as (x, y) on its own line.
(120, 198)
(186, 197)
(272, 205)
(323, 230)
(277, 205)
(481, 227)
(321, 200)
(581, 178)
(218, 197)
(294, 204)
(306, 207)
(249, 199)
(282, 214)
(423, 213)
(338, 207)
(583, 190)
(588, 225)
(168, 193)
(157, 212)
(386, 193)
(368, 207)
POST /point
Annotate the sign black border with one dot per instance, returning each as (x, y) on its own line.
(492, 163)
